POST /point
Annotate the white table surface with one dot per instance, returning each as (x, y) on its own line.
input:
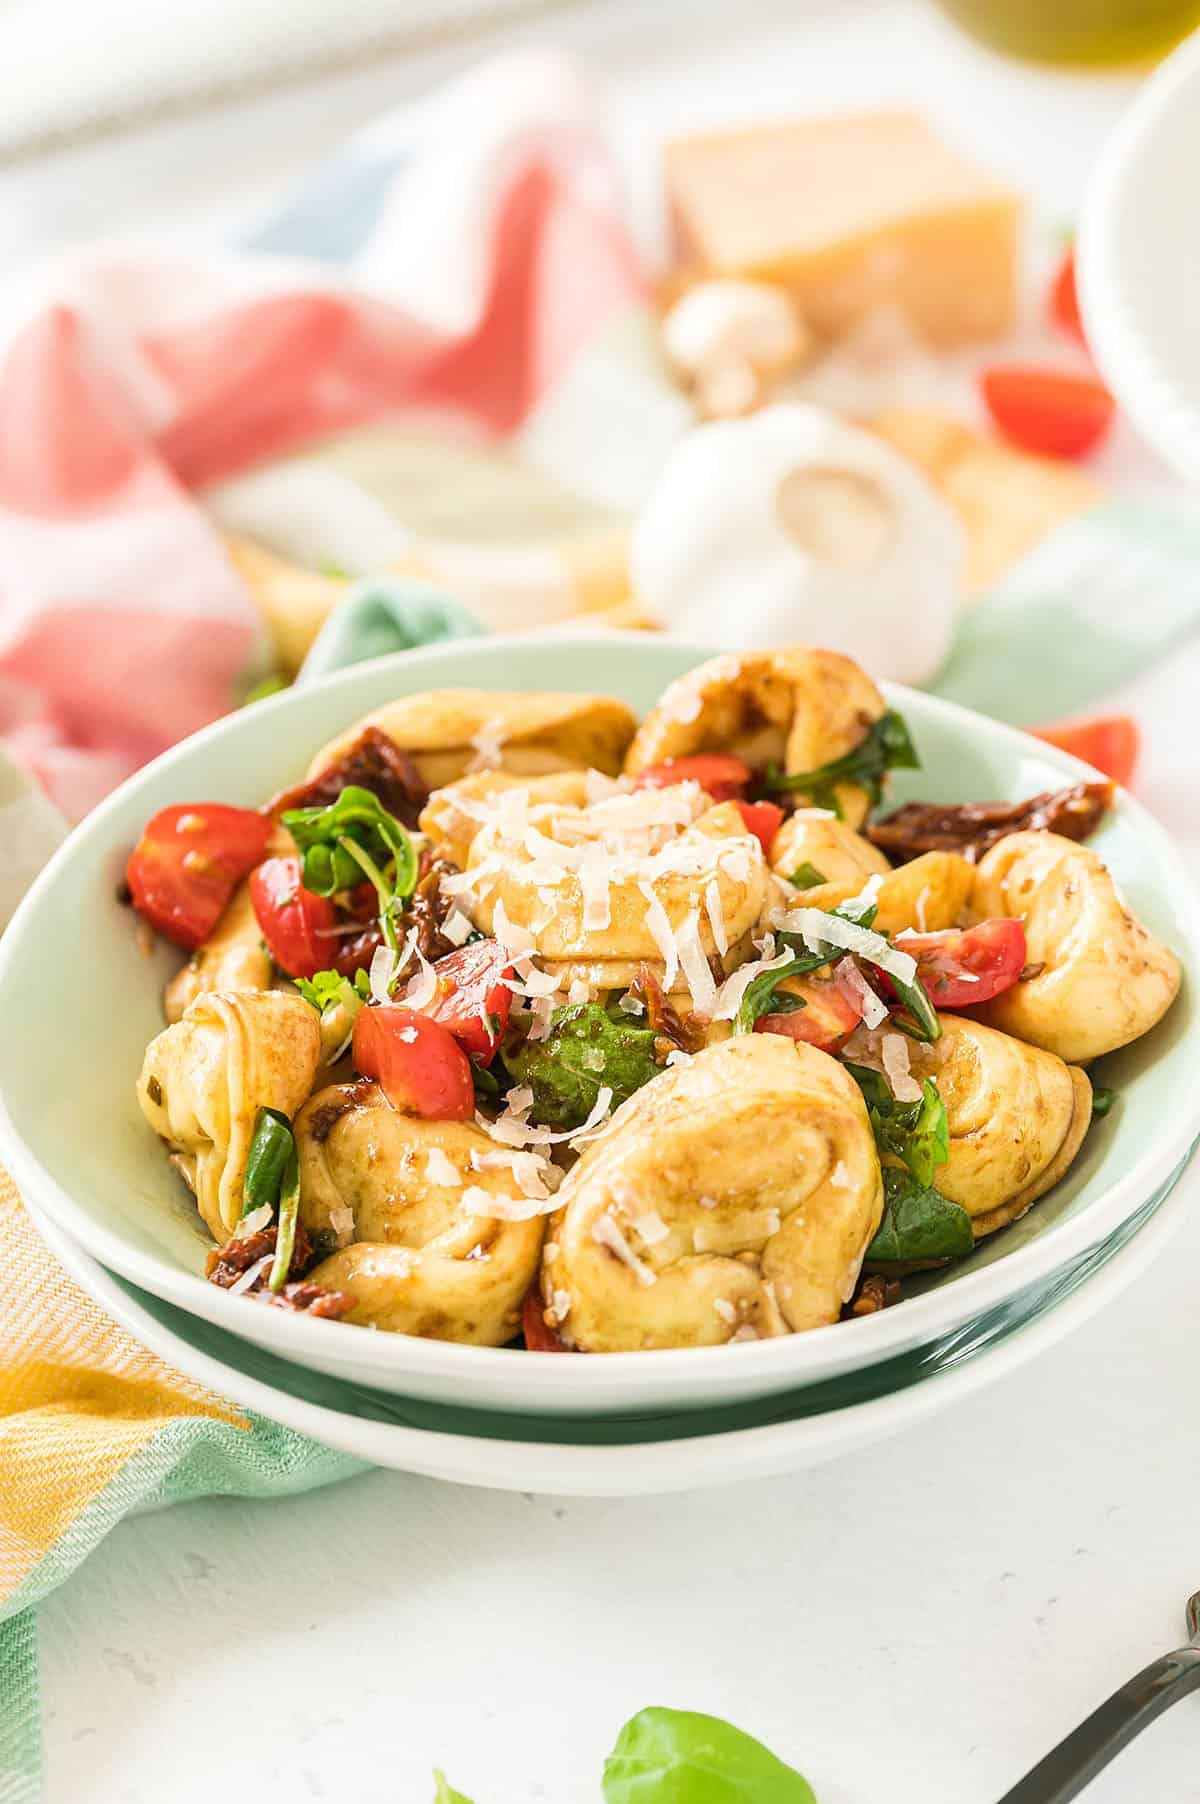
(914, 1625)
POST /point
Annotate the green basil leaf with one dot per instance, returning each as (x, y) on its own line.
(886, 745)
(289, 1214)
(585, 1051)
(919, 1224)
(681, 1757)
(349, 839)
(328, 987)
(445, 1792)
(919, 1019)
(1103, 1099)
(271, 1146)
(807, 876)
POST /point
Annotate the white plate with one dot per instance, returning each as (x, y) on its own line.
(1138, 260)
(364, 1424)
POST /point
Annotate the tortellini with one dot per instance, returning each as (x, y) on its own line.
(731, 1198)
(205, 1078)
(233, 957)
(1097, 979)
(448, 732)
(929, 893)
(797, 708)
(1017, 1118)
(555, 876)
(452, 817)
(405, 1200)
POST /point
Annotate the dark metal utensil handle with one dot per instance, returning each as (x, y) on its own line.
(1075, 1762)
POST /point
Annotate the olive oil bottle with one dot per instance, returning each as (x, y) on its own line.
(1078, 31)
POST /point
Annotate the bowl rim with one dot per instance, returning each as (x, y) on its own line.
(734, 1455)
(811, 1354)
(1128, 358)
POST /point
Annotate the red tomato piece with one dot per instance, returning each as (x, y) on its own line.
(472, 999)
(1052, 412)
(1111, 743)
(188, 863)
(959, 968)
(719, 775)
(297, 926)
(418, 1064)
(830, 1014)
(763, 819)
(540, 1337)
(1064, 300)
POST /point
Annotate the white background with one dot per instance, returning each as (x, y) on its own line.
(912, 1626)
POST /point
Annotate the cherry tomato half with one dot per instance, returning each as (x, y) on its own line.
(418, 1064)
(830, 1014)
(540, 1337)
(1064, 300)
(1053, 412)
(959, 968)
(763, 819)
(188, 863)
(297, 926)
(472, 1000)
(720, 776)
(1110, 743)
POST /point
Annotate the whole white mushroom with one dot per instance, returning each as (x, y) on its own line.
(792, 525)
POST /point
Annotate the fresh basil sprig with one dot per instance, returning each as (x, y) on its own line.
(917, 1017)
(920, 1226)
(352, 838)
(271, 1145)
(681, 1757)
(916, 1133)
(886, 745)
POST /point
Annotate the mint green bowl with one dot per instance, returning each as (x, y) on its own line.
(80, 1000)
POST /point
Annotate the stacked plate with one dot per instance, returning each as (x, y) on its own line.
(80, 1002)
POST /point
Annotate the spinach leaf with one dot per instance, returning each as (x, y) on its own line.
(919, 1019)
(586, 1050)
(681, 1757)
(919, 1224)
(886, 745)
(807, 876)
(917, 1133)
(445, 1792)
(1103, 1099)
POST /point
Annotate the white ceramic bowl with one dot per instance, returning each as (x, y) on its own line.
(79, 1001)
(1138, 260)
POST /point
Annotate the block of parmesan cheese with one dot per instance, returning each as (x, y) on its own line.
(850, 213)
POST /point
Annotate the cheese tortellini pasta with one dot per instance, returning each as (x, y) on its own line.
(205, 1078)
(732, 1198)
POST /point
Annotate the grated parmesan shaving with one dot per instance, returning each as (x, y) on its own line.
(874, 1009)
(579, 991)
(257, 1218)
(606, 1233)
(716, 917)
(477, 1201)
(695, 966)
(251, 1273)
(658, 925)
(487, 744)
(819, 930)
(650, 1228)
(893, 1050)
(512, 937)
(725, 1310)
(729, 997)
(341, 1220)
(441, 1169)
(630, 1005)
(457, 927)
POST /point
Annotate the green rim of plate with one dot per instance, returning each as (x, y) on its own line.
(946, 1353)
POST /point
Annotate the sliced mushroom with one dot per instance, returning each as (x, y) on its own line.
(731, 1198)
(1098, 979)
(406, 1206)
(205, 1078)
